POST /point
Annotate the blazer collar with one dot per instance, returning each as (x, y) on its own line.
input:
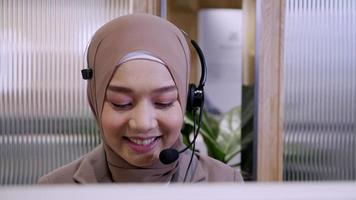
(195, 173)
(93, 168)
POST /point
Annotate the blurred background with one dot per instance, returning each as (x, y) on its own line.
(281, 92)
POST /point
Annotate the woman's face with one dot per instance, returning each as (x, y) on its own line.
(141, 114)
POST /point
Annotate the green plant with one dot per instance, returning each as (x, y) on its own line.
(222, 135)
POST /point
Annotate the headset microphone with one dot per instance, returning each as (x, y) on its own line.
(168, 156)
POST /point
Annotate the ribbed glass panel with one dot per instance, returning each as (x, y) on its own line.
(320, 90)
(45, 120)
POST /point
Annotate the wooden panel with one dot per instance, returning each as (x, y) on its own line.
(184, 15)
(248, 66)
(269, 90)
(249, 41)
(147, 6)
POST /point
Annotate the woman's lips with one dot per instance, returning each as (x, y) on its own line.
(142, 145)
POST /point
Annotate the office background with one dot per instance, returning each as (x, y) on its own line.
(298, 56)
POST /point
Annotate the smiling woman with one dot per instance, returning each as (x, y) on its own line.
(138, 74)
(140, 118)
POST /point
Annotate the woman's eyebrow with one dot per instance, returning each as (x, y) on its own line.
(115, 88)
(165, 89)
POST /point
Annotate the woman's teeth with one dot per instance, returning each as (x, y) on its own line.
(142, 142)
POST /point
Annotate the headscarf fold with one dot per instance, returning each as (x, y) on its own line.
(118, 41)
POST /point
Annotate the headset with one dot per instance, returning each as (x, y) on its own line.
(195, 103)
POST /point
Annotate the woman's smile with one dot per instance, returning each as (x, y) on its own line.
(142, 145)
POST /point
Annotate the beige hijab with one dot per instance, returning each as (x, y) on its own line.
(109, 46)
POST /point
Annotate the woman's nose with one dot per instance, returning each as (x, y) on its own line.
(143, 118)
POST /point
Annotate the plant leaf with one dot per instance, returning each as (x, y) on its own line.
(211, 123)
(207, 135)
(230, 133)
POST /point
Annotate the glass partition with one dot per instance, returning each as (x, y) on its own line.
(320, 90)
(45, 120)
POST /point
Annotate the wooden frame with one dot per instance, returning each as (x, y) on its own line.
(269, 90)
(147, 6)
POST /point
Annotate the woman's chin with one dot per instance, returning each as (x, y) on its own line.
(143, 161)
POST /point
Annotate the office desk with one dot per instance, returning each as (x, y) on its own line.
(316, 190)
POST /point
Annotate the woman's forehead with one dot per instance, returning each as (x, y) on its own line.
(142, 74)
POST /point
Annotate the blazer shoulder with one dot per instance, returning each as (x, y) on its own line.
(217, 171)
(61, 175)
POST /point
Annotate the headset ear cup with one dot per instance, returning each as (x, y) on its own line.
(190, 100)
(87, 73)
(195, 98)
(198, 98)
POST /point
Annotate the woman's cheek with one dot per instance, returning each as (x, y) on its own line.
(111, 121)
(172, 122)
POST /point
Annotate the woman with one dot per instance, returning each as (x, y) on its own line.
(138, 94)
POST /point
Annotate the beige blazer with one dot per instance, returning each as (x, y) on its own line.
(92, 168)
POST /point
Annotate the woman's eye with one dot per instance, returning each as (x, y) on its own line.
(122, 106)
(164, 105)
